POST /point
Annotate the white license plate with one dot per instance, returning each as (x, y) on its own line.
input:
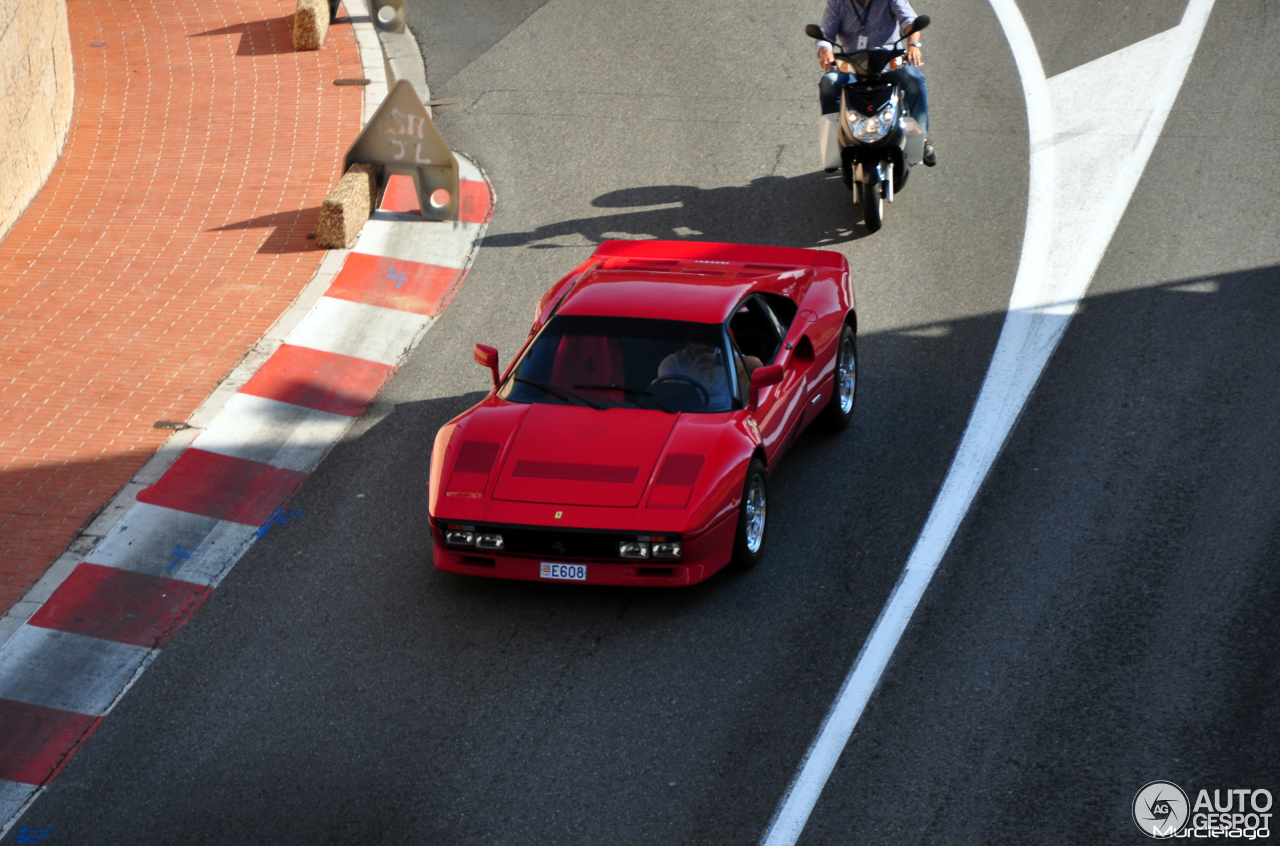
(566, 572)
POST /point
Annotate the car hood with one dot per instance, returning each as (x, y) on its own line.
(571, 455)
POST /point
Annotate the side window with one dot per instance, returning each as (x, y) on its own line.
(740, 371)
(783, 308)
(754, 330)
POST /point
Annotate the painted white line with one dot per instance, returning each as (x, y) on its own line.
(442, 243)
(467, 170)
(14, 797)
(67, 671)
(358, 330)
(173, 544)
(272, 432)
(1070, 222)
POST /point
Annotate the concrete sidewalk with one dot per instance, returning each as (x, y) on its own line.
(169, 238)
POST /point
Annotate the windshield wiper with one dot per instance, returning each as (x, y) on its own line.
(556, 392)
(628, 393)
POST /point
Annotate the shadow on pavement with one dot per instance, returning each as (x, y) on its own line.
(258, 38)
(44, 507)
(289, 230)
(752, 213)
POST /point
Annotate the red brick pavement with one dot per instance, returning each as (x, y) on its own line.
(170, 236)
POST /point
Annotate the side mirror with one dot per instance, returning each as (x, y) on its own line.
(487, 356)
(918, 24)
(761, 378)
(815, 32)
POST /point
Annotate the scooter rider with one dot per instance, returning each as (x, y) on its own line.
(870, 24)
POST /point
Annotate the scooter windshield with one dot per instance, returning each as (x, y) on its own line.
(868, 62)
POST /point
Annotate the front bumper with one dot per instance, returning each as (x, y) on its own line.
(703, 555)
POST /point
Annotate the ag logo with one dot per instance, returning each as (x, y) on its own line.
(1160, 809)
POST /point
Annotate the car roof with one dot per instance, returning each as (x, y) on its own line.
(691, 297)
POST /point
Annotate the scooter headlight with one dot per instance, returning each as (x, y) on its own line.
(874, 127)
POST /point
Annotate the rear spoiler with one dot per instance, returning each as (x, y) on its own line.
(711, 252)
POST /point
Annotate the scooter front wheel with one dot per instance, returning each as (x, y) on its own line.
(872, 206)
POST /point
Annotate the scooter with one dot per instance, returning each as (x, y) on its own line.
(877, 143)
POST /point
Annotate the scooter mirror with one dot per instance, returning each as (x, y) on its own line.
(918, 24)
(815, 31)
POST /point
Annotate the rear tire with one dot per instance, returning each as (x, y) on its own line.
(838, 414)
(748, 539)
(872, 206)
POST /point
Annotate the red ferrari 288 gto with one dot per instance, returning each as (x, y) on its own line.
(630, 441)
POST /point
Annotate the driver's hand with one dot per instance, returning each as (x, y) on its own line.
(913, 55)
(827, 59)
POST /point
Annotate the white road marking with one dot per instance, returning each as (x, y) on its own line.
(441, 243)
(363, 331)
(174, 544)
(14, 797)
(67, 671)
(272, 432)
(1072, 213)
(467, 169)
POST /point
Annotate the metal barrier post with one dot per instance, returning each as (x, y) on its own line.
(401, 139)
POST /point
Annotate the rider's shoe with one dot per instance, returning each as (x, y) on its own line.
(930, 158)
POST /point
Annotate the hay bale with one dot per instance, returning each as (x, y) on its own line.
(310, 24)
(346, 208)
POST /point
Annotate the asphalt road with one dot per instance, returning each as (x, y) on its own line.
(1104, 618)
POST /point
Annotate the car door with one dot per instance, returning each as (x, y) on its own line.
(755, 331)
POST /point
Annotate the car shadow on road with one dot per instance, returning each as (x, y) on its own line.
(762, 211)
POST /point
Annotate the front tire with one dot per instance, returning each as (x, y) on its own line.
(872, 206)
(748, 540)
(839, 411)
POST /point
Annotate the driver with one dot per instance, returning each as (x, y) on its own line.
(703, 363)
(871, 24)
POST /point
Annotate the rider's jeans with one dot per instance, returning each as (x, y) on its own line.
(914, 94)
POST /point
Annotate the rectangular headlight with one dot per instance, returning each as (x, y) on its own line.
(460, 538)
(670, 549)
(492, 542)
(633, 549)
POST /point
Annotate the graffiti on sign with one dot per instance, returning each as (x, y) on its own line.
(401, 139)
(402, 125)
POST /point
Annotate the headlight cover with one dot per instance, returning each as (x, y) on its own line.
(874, 127)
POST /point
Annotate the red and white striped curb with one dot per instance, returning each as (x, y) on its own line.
(89, 629)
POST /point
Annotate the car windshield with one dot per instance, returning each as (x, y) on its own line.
(610, 362)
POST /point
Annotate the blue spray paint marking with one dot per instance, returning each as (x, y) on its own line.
(28, 835)
(181, 553)
(279, 517)
(392, 273)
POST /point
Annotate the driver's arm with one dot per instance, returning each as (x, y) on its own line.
(830, 26)
(906, 17)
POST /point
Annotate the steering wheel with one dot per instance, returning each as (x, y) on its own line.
(703, 394)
